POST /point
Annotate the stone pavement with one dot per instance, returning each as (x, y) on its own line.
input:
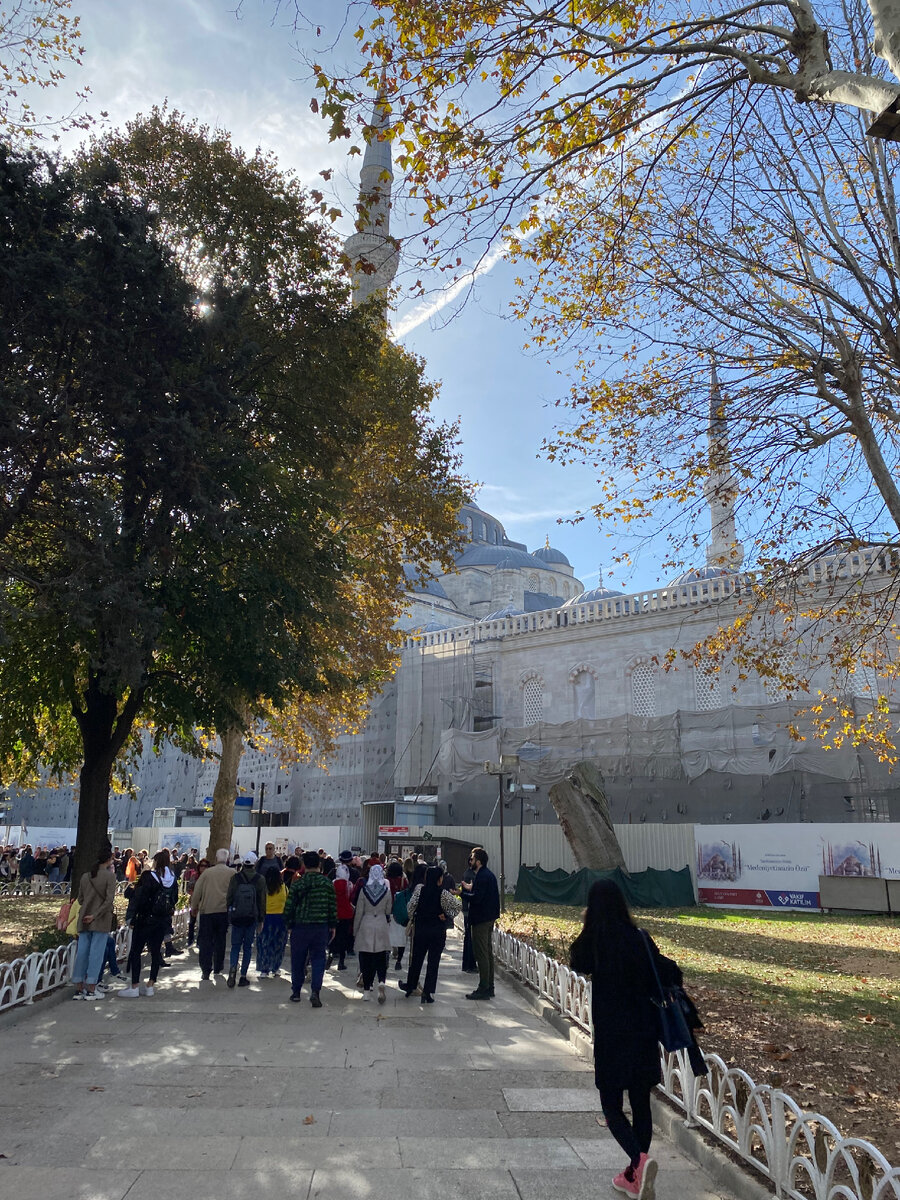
(201, 1091)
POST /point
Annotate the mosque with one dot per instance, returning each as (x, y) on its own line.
(508, 655)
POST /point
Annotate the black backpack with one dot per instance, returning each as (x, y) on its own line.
(243, 910)
(154, 907)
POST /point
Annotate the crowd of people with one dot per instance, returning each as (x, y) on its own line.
(314, 910)
(322, 911)
(41, 868)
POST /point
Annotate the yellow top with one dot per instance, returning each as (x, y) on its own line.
(275, 900)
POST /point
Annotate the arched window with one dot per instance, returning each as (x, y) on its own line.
(643, 689)
(707, 687)
(533, 584)
(585, 691)
(533, 701)
(470, 527)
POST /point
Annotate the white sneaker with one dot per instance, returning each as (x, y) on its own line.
(145, 990)
(97, 994)
(79, 995)
(129, 993)
(367, 995)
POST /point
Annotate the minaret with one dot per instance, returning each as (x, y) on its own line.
(372, 252)
(723, 550)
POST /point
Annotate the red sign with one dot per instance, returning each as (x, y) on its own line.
(393, 831)
(752, 897)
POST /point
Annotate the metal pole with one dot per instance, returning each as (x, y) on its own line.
(521, 824)
(502, 851)
(262, 792)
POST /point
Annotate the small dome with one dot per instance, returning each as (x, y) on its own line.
(597, 593)
(700, 575)
(509, 610)
(547, 554)
(475, 555)
(431, 588)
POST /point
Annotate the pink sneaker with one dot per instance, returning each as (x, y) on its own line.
(645, 1178)
(628, 1187)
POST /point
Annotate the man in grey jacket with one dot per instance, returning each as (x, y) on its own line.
(209, 899)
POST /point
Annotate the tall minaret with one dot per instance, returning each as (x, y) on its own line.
(723, 550)
(373, 253)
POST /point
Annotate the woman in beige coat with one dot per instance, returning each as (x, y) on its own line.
(96, 920)
(371, 933)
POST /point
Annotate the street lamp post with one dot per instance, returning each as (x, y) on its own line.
(259, 812)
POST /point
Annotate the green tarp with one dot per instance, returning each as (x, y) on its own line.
(642, 889)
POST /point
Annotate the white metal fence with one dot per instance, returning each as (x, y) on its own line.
(801, 1153)
(23, 979)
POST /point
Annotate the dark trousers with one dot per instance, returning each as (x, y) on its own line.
(633, 1136)
(428, 941)
(150, 936)
(242, 939)
(483, 948)
(308, 942)
(212, 932)
(372, 964)
(343, 939)
(468, 954)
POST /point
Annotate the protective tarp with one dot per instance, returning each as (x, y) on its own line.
(683, 745)
(642, 889)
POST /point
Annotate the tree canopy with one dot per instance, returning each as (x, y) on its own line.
(186, 532)
(684, 192)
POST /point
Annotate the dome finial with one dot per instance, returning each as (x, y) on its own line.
(547, 541)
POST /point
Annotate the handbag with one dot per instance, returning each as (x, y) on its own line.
(62, 917)
(672, 1031)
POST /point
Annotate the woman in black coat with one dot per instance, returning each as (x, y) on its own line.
(616, 954)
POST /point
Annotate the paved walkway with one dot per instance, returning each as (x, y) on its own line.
(205, 1092)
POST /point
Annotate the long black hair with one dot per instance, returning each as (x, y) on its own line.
(611, 934)
(429, 905)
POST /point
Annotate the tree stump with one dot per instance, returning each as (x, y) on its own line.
(580, 803)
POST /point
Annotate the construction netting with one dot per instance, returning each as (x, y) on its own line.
(683, 745)
(642, 889)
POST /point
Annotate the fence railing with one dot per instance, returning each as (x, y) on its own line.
(10, 890)
(801, 1153)
(24, 979)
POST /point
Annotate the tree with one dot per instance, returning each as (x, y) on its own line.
(674, 208)
(107, 462)
(181, 547)
(38, 40)
(394, 483)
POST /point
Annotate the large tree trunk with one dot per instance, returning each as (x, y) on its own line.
(222, 821)
(580, 803)
(104, 729)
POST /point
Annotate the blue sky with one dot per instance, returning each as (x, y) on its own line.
(245, 74)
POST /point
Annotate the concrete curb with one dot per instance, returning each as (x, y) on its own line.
(693, 1143)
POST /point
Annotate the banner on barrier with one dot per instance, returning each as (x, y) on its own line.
(778, 866)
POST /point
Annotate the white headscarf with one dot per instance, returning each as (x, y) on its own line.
(342, 871)
(375, 885)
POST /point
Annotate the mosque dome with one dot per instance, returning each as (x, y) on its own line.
(550, 556)
(508, 610)
(432, 587)
(507, 557)
(597, 593)
(700, 575)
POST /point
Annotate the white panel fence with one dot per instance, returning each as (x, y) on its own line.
(23, 979)
(801, 1153)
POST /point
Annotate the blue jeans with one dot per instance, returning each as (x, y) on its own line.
(308, 941)
(110, 959)
(242, 938)
(89, 956)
